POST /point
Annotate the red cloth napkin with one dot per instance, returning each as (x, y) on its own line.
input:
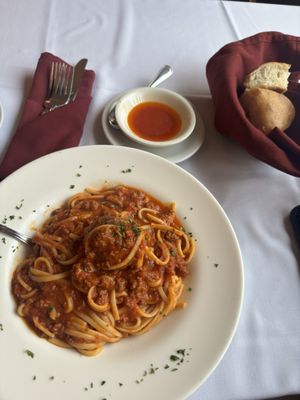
(38, 135)
(226, 71)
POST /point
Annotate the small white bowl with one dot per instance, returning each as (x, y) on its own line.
(148, 94)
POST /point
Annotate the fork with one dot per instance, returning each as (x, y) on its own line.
(16, 235)
(60, 86)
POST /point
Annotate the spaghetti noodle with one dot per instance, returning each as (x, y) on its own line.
(107, 264)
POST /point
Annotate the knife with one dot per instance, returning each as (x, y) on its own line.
(295, 221)
(78, 71)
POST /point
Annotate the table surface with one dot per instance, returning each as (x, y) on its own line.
(126, 43)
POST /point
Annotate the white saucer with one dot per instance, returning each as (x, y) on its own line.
(175, 153)
(1, 114)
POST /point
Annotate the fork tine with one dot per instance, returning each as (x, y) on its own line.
(69, 83)
(56, 77)
(64, 81)
(50, 89)
(61, 83)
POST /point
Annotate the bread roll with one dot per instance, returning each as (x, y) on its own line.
(271, 75)
(267, 109)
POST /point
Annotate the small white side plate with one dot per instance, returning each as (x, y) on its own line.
(176, 153)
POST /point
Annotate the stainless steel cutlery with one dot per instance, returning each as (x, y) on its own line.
(64, 82)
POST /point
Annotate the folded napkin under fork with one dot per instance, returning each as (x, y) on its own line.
(226, 71)
(38, 135)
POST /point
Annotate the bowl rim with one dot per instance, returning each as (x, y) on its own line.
(187, 106)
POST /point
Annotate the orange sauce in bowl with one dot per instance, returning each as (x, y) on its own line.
(154, 121)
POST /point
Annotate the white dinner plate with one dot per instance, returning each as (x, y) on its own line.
(176, 153)
(136, 367)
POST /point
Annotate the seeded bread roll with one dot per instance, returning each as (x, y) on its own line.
(267, 109)
(271, 75)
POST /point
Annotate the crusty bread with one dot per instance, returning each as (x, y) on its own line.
(271, 75)
(267, 109)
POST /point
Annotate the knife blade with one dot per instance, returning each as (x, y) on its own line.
(295, 221)
(78, 71)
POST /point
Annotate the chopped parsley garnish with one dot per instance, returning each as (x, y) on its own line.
(72, 186)
(126, 171)
(78, 175)
(122, 229)
(190, 289)
(51, 378)
(11, 217)
(3, 240)
(34, 378)
(20, 205)
(174, 358)
(135, 229)
(103, 383)
(120, 384)
(1, 327)
(29, 353)
(216, 265)
(91, 385)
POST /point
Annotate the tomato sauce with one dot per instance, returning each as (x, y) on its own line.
(154, 121)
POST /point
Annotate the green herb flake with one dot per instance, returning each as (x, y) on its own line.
(91, 385)
(120, 384)
(11, 217)
(51, 378)
(190, 289)
(216, 265)
(166, 366)
(174, 358)
(4, 240)
(126, 171)
(71, 186)
(34, 378)
(29, 353)
(122, 229)
(78, 175)
(1, 327)
(80, 166)
(102, 383)
(174, 369)
(135, 229)
(181, 352)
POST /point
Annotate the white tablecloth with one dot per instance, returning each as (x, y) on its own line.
(126, 42)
